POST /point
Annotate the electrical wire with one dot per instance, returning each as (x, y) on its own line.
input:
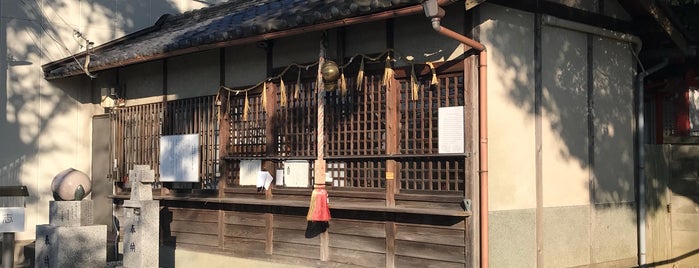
(56, 40)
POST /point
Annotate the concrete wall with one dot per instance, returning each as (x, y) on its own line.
(585, 212)
(45, 127)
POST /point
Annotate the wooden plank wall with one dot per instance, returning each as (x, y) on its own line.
(245, 233)
(194, 226)
(429, 246)
(356, 238)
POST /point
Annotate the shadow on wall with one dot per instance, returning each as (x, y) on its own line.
(36, 116)
(586, 103)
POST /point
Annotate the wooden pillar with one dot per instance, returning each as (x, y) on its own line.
(471, 237)
(392, 129)
(270, 132)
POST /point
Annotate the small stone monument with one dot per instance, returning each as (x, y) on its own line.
(141, 220)
(70, 239)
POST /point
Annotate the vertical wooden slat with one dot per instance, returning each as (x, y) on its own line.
(269, 238)
(390, 244)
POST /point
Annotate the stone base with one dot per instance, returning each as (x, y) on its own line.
(78, 246)
(141, 232)
(70, 213)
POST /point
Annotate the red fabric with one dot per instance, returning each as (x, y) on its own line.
(321, 211)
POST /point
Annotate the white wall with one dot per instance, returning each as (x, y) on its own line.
(45, 127)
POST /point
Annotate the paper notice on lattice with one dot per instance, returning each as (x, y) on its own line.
(296, 173)
(249, 171)
(451, 130)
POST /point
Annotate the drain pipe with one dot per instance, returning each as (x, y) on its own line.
(640, 129)
(435, 13)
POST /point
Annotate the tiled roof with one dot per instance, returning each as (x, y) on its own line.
(218, 26)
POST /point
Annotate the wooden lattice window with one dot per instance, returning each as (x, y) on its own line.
(419, 118)
(137, 131)
(435, 174)
(246, 136)
(358, 173)
(356, 122)
(296, 122)
(428, 170)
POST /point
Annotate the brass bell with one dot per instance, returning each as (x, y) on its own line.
(330, 73)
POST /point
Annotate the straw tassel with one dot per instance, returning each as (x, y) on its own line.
(282, 93)
(264, 96)
(434, 81)
(246, 108)
(318, 216)
(360, 76)
(343, 84)
(414, 86)
(297, 88)
(388, 73)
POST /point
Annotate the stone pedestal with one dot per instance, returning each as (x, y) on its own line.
(70, 213)
(141, 221)
(141, 236)
(74, 246)
(70, 239)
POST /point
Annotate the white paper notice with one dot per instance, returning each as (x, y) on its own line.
(249, 170)
(296, 173)
(264, 179)
(451, 130)
(179, 158)
(280, 177)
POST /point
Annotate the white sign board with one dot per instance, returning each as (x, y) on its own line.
(451, 130)
(249, 171)
(11, 219)
(179, 158)
(296, 173)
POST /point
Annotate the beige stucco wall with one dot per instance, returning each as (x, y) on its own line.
(565, 157)
(45, 127)
(587, 212)
(509, 36)
(193, 74)
(613, 74)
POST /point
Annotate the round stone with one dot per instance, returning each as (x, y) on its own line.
(71, 185)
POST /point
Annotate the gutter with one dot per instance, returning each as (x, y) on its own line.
(435, 13)
(641, 163)
(584, 28)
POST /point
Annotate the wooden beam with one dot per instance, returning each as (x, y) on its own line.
(667, 26)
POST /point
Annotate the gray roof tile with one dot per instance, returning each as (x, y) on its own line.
(220, 23)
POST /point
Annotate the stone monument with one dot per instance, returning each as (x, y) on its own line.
(141, 220)
(70, 239)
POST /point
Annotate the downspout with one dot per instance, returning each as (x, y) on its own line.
(640, 129)
(435, 13)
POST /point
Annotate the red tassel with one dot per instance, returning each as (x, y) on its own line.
(318, 209)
